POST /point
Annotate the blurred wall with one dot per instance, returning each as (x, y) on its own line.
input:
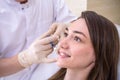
(76, 6)
(107, 8)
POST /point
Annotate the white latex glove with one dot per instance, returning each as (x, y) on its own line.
(58, 28)
(38, 51)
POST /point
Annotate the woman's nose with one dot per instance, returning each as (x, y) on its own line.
(64, 43)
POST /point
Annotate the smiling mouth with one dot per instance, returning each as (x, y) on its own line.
(63, 55)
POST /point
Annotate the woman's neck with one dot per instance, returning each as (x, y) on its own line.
(76, 75)
(79, 73)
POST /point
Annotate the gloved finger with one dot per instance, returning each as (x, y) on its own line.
(49, 39)
(50, 31)
(53, 44)
(48, 52)
(45, 41)
(43, 47)
(49, 60)
(45, 53)
(60, 29)
(38, 46)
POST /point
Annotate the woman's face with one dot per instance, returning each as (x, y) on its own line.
(75, 49)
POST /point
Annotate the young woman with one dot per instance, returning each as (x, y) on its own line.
(89, 49)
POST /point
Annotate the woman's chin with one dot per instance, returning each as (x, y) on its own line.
(60, 64)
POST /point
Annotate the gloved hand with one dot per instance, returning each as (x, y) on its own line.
(58, 29)
(38, 50)
(41, 47)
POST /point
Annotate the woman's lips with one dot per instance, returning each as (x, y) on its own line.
(63, 54)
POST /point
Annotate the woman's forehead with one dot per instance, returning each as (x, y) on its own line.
(79, 24)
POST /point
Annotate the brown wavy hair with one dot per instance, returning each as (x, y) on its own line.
(105, 41)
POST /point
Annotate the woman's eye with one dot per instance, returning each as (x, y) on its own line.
(77, 39)
(65, 34)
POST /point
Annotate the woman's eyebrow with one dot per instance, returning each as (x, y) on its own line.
(78, 32)
(81, 33)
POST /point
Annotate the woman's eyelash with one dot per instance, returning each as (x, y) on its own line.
(77, 39)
